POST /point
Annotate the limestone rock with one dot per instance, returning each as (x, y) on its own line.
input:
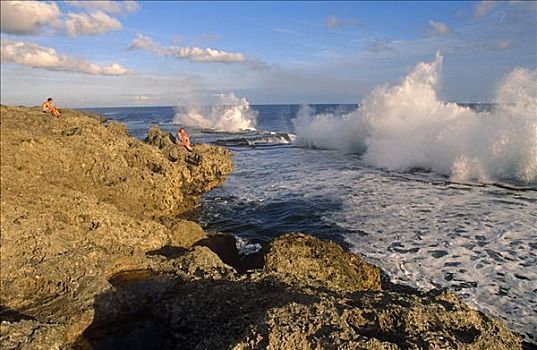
(305, 259)
(93, 255)
(186, 233)
(225, 246)
(382, 320)
(80, 201)
(260, 312)
(206, 165)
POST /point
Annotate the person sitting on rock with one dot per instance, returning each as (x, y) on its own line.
(48, 107)
(184, 139)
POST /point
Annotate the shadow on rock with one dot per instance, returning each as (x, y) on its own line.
(170, 252)
(223, 245)
(10, 315)
(162, 312)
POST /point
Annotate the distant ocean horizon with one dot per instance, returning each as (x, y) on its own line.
(91, 108)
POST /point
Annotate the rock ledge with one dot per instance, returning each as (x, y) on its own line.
(94, 254)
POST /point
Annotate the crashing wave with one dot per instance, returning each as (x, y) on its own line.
(263, 139)
(231, 114)
(407, 126)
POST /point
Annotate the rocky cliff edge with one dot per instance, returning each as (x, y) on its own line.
(95, 256)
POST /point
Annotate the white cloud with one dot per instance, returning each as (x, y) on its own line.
(439, 27)
(37, 56)
(130, 6)
(484, 7)
(38, 17)
(205, 55)
(142, 42)
(114, 7)
(78, 24)
(27, 17)
(334, 22)
(194, 54)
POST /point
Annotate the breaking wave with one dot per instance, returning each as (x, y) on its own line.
(259, 139)
(231, 114)
(406, 126)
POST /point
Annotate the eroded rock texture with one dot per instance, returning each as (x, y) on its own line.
(94, 256)
(80, 201)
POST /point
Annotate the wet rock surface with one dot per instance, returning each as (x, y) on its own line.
(95, 256)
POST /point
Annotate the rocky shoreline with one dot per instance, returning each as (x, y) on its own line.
(95, 254)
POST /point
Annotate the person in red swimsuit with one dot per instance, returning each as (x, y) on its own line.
(48, 107)
(185, 140)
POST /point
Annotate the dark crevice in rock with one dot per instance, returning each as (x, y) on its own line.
(10, 315)
(529, 346)
(466, 335)
(225, 246)
(169, 252)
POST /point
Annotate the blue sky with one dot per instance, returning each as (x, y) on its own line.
(167, 53)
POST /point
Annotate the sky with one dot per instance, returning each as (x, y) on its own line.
(155, 53)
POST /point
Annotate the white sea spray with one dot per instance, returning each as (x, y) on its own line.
(230, 113)
(407, 126)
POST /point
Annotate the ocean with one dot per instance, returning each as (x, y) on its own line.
(438, 194)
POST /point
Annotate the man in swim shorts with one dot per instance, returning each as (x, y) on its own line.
(48, 107)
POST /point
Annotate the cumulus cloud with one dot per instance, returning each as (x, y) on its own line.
(114, 7)
(205, 55)
(37, 17)
(78, 24)
(27, 17)
(142, 42)
(194, 54)
(334, 22)
(37, 56)
(439, 27)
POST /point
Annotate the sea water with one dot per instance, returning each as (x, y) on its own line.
(438, 194)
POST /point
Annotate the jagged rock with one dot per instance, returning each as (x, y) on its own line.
(31, 334)
(93, 255)
(305, 259)
(213, 308)
(79, 200)
(186, 233)
(161, 139)
(207, 164)
(225, 246)
(259, 311)
(203, 262)
(381, 320)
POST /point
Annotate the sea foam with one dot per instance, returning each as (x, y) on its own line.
(407, 126)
